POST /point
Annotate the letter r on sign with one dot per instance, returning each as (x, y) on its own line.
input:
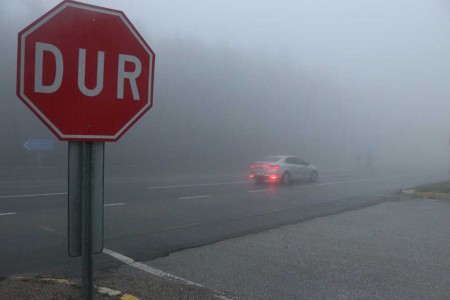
(131, 76)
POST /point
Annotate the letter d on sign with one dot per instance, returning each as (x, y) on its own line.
(39, 87)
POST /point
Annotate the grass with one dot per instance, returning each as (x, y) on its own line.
(438, 187)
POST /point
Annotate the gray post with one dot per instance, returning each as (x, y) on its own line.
(75, 188)
(87, 192)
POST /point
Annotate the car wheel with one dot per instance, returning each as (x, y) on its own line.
(286, 178)
(314, 176)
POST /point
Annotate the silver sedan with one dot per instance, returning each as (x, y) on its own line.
(282, 169)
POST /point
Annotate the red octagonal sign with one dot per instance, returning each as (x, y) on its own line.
(85, 71)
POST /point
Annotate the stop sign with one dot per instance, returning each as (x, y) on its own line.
(85, 71)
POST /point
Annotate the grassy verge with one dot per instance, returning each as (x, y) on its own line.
(438, 190)
(438, 187)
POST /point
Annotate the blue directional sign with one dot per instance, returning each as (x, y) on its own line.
(39, 145)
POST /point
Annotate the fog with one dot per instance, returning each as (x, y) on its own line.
(235, 80)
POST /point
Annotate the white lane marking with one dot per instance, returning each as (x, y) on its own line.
(32, 195)
(256, 191)
(265, 212)
(182, 226)
(194, 197)
(13, 186)
(146, 268)
(335, 182)
(357, 180)
(109, 292)
(195, 185)
(51, 230)
(114, 204)
(156, 272)
(7, 214)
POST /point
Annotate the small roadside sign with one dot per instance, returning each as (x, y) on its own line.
(38, 145)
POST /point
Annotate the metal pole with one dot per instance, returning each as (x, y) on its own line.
(87, 192)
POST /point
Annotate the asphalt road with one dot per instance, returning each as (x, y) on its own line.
(393, 250)
(151, 216)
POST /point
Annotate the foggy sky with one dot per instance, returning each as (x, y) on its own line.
(326, 80)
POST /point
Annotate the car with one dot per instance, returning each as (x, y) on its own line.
(282, 169)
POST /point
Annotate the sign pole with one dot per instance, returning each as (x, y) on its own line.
(87, 195)
(85, 207)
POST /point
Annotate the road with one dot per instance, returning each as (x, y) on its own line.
(393, 250)
(148, 216)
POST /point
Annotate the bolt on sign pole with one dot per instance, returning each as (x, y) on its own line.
(63, 59)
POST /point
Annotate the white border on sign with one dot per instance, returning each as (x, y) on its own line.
(22, 71)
